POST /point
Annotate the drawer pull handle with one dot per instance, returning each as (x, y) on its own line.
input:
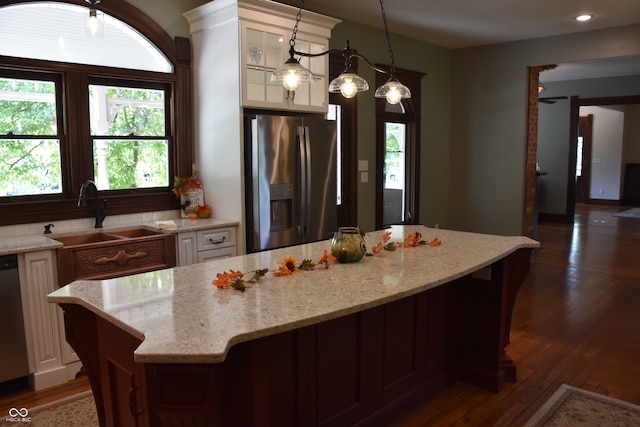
(217, 242)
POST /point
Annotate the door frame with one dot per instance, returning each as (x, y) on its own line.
(574, 120)
(412, 119)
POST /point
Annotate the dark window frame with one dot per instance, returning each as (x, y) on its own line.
(76, 150)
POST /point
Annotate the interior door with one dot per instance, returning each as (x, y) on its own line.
(583, 159)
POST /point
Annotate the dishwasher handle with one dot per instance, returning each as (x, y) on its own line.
(8, 262)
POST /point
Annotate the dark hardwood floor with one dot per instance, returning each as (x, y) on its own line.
(576, 321)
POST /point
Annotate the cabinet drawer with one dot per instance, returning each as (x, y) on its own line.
(212, 254)
(216, 238)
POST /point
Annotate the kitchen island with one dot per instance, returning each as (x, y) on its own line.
(352, 344)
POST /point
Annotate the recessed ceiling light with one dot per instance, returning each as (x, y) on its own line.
(583, 18)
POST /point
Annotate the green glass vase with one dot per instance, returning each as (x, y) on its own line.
(347, 244)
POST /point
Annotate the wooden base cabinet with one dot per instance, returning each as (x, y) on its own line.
(367, 368)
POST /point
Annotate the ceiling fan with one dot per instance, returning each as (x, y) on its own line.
(551, 99)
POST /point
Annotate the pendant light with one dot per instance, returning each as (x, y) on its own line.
(292, 74)
(392, 90)
(348, 83)
(94, 23)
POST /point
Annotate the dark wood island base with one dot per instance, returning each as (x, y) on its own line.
(365, 368)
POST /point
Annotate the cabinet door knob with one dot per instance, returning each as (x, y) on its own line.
(132, 402)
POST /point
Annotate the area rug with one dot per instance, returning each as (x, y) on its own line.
(574, 407)
(78, 410)
(629, 213)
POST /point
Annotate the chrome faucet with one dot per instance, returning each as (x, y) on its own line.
(101, 213)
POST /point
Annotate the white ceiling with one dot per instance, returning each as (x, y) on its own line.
(457, 24)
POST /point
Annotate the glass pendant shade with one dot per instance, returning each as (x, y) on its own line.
(292, 74)
(393, 91)
(348, 84)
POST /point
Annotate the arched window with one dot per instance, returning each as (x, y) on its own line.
(89, 95)
(398, 154)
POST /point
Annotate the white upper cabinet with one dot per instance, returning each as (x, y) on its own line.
(254, 36)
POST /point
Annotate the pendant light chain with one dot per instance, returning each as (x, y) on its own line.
(386, 33)
(292, 40)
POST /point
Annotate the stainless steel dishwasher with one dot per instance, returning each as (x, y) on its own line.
(13, 348)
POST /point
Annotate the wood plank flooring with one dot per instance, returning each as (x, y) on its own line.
(576, 321)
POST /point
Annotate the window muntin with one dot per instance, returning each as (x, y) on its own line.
(30, 161)
(60, 32)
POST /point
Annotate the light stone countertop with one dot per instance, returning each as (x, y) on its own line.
(182, 318)
(16, 245)
(185, 224)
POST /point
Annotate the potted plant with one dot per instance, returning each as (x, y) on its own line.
(189, 190)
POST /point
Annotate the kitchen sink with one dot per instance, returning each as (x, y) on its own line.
(136, 232)
(86, 239)
(107, 254)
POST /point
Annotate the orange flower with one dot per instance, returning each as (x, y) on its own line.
(435, 242)
(377, 248)
(228, 280)
(287, 267)
(386, 236)
(326, 258)
(411, 240)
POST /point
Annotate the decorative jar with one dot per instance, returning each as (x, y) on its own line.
(347, 244)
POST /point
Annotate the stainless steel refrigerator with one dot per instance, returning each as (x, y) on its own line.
(291, 180)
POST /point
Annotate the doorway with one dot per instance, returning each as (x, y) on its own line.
(575, 131)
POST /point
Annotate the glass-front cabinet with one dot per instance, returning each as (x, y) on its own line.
(264, 49)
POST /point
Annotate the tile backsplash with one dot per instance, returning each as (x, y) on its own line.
(33, 229)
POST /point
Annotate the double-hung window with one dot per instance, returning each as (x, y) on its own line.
(31, 136)
(129, 135)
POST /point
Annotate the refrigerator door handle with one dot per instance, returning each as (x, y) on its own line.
(304, 177)
(307, 200)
